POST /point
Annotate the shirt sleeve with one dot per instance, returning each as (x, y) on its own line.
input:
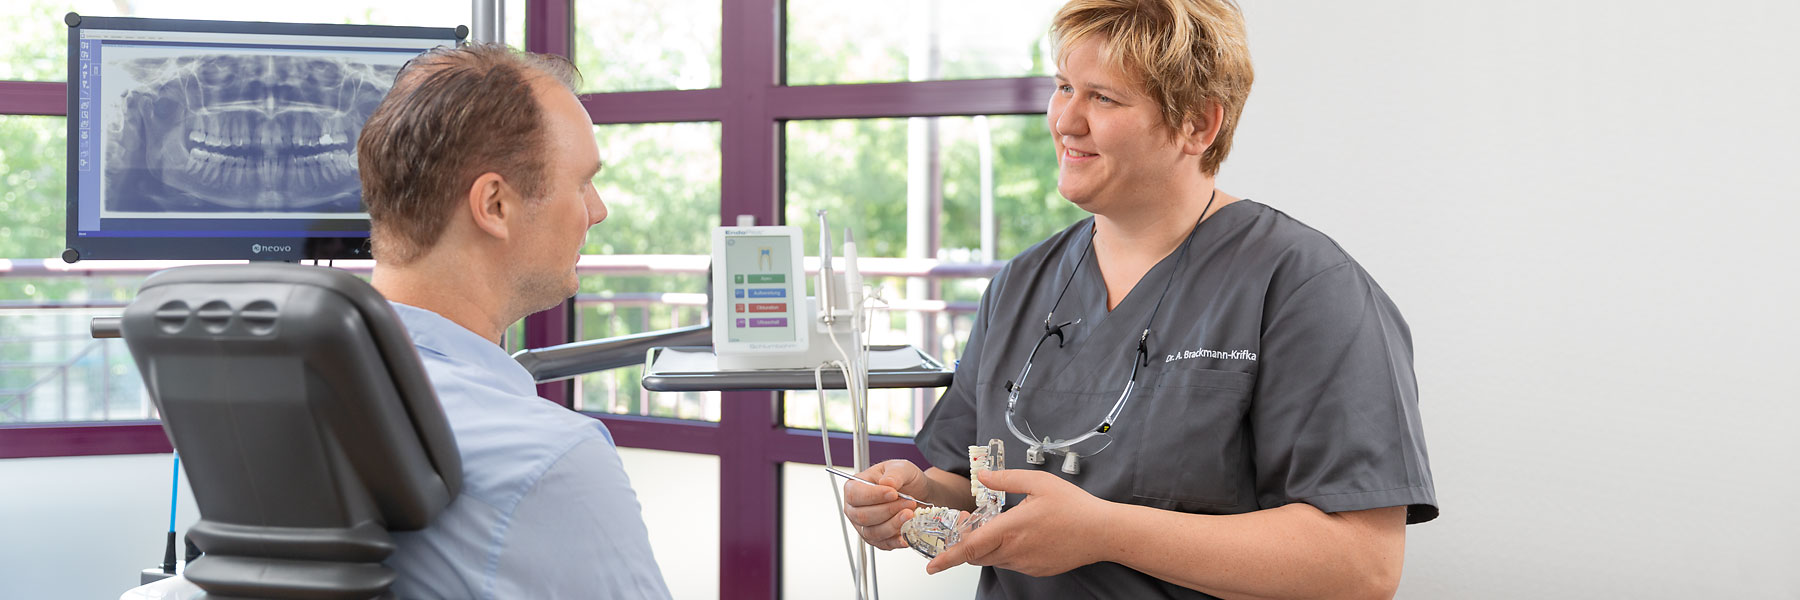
(1336, 411)
(949, 430)
(579, 533)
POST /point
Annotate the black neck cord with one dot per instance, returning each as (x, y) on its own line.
(1144, 339)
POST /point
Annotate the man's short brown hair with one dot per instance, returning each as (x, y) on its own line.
(452, 115)
(1185, 54)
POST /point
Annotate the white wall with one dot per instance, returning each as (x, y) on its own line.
(1585, 209)
(679, 494)
(83, 526)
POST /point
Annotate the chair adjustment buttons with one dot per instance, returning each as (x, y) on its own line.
(215, 316)
(172, 316)
(259, 317)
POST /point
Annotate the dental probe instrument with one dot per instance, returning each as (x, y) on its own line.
(859, 479)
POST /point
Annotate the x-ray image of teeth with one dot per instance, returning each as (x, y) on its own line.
(219, 133)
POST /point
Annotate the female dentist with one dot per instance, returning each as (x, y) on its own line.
(1213, 399)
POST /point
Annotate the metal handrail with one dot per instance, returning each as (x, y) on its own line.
(562, 361)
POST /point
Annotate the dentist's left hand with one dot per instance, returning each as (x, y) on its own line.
(1056, 528)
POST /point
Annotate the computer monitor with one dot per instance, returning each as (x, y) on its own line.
(224, 140)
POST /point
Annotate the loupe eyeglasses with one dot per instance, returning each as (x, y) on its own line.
(1090, 442)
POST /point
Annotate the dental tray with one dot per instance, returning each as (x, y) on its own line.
(695, 369)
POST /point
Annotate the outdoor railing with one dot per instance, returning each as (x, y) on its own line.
(52, 370)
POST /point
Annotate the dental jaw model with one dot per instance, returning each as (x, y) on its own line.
(931, 530)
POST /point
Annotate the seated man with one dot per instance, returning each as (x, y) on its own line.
(477, 172)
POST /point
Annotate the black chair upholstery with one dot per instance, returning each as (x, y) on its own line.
(304, 420)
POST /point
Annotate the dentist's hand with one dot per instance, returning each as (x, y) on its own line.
(877, 512)
(1057, 527)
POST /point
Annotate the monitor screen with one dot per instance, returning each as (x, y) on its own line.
(224, 140)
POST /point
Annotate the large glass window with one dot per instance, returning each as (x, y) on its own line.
(929, 189)
(626, 45)
(32, 151)
(886, 176)
(830, 41)
(34, 39)
(53, 371)
(660, 184)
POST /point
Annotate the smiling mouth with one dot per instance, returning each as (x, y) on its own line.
(1073, 153)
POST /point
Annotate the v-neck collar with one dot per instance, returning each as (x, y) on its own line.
(1102, 333)
(1093, 279)
(1106, 337)
(1091, 283)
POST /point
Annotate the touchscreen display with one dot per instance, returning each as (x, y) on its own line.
(763, 290)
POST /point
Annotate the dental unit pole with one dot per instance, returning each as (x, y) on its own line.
(488, 22)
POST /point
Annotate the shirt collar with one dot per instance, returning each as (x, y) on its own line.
(432, 332)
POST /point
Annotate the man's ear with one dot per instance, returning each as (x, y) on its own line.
(1197, 135)
(491, 201)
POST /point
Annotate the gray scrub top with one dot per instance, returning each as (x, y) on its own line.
(1279, 372)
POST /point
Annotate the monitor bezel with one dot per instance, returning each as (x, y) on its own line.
(260, 248)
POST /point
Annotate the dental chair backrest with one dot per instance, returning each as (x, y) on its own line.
(304, 419)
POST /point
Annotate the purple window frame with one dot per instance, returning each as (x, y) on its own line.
(752, 106)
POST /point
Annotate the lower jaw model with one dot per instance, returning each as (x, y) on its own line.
(933, 529)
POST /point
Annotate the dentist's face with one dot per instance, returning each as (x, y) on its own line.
(1111, 146)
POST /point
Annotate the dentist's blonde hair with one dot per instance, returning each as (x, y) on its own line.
(1185, 54)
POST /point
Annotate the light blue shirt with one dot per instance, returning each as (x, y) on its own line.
(546, 510)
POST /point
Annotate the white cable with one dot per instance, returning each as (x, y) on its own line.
(858, 450)
(865, 313)
(855, 368)
(856, 383)
(825, 440)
